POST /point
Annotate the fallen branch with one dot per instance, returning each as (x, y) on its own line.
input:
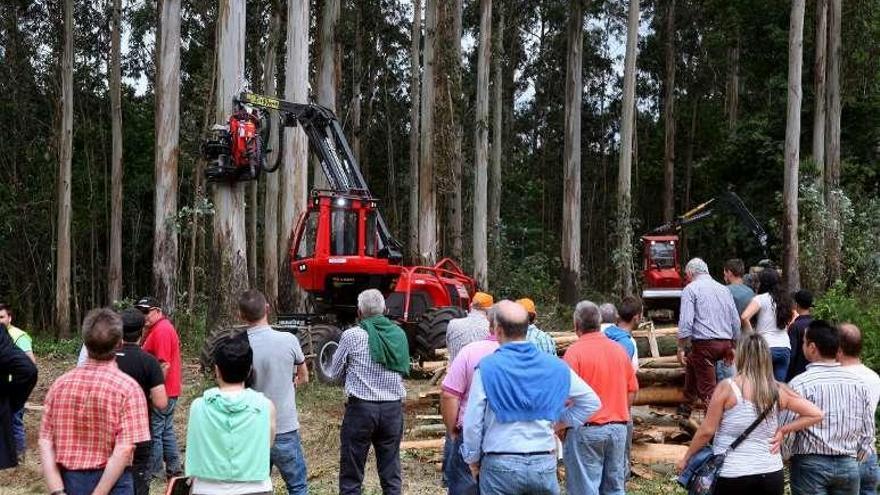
(432, 444)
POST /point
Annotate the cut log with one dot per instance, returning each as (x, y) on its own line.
(659, 362)
(659, 396)
(658, 332)
(657, 453)
(442, 353)
(660, 376)
(432, 444)
(429, 430)
(432, 366)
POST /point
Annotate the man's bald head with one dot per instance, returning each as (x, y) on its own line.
(850, 340)
(511, 319)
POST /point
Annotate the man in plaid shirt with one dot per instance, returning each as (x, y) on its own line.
(92, 418)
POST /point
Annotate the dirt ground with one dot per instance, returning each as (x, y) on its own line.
(320, 410)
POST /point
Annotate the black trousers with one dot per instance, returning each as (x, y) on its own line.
(756, 484)
(379, 424)
(140, 467)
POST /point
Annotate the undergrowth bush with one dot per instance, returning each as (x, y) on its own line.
(840, 306)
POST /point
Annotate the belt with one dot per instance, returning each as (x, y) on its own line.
(354, 399)
(543, 452)
(608, 423)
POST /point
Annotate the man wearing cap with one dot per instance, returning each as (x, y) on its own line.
(145, 370)
(163, 343)
(542, 340)
(473, 327)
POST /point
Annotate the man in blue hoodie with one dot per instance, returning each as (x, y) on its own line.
(517, 397)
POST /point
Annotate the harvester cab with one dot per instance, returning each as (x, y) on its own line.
(662, 271)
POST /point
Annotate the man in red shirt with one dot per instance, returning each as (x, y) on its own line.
(92, 418)
(595, 453)
(162, 342)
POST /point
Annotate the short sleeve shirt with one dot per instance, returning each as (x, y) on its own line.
(605, 367)
(276, 356)
(461, 371)
(21, 339)
(141, 366)
(91, 409)
(162, 342)
(742, 296)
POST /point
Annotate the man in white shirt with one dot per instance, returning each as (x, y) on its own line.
(849, 357)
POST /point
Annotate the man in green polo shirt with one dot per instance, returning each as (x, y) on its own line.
(23, 341)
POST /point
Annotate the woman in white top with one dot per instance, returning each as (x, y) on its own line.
(755, 466)
(773, 308)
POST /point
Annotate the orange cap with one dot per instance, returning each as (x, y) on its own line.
(481, 300)
(528, 304)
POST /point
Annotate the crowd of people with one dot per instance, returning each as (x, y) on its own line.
(773, 383)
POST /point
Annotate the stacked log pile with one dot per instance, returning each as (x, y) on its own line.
(659, 438)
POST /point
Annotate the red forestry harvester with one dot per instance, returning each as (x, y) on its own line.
(661, 270)
(341, 244)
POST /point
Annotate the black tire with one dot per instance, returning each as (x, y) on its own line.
(206, 358)
(320, 342)
(431, 330)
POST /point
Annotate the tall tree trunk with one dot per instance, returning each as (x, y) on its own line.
(356, 76)
(327, 75)
(790, 269)
(65, 155)
(569, 285)
(455, 204)
(114, 272)
(624, 177)
(167, 151)
(834, 230)
(497, 138)
(230, 243)
(669, 117)
(481, 146)
(427, 191)
(294, 176)
(819, 83)
(733, 83)
(270, 204)
(415, 91)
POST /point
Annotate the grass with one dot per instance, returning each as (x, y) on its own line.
(320, 409)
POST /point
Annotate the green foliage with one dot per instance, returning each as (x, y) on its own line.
(52, 348)
(840, 306)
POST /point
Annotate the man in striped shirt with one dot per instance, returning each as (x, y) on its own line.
(825, 457)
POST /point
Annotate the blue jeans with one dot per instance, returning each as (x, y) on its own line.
(287, 456)
(18, 430)
(518, 475)
(595, 460)
(868, 474)
(164, 440)
(84, 482)
(824, 475)
(781, 357)
(456, 473)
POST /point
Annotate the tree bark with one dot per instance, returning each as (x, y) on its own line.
(415, 91)
(167, 151)
(497, 139)
(356, 75)
(834, 231)
(481, 146)
(790, 269)
(688, 173)
(229, 240)
(327, 72)
(427, 191)
(65, 155)
(669, 117)
(733, 84)
(114, 272)
(624, 178)
(819, 68)
(294, 174)
(270, 204)
(569, 284)
(454, 102)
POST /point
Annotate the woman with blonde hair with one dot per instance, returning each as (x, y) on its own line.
(755, 465)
